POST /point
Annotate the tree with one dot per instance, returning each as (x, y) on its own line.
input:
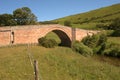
(24, 16)
(7, 20)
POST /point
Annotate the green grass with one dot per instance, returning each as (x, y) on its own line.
(114, 40)
(104, 15)
(59, 63)
(89, 26)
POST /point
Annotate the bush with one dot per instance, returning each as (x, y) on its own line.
(101, 48)
(48, 43)
(97, 50)
(90, 41)
(115, 25)
(112, 50)
(99, 45)
(109, 32)
(96, 42)
(41, 40)
(102, 39)
(116, 33)
(81, 48)
(67, 23)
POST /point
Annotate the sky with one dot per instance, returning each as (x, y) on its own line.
(46, 10)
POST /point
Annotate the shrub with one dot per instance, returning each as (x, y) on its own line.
(109, 32)
(75, 46)
(102, 39)
(112, 50)
(99, 45)
(101, 48)
(96, 42)
(41, 40)
(91, 41)
(116, 33)
(115, 25)
(81, 48)
(48, 43)
(67, 23)
(97, 50)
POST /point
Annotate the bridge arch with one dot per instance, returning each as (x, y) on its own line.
(62, 34)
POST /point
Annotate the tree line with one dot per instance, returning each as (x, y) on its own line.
(20, 16)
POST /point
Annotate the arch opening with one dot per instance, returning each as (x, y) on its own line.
(64, 40)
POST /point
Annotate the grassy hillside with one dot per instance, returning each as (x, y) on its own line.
(88, 20)
(58, 63)
(114, 40)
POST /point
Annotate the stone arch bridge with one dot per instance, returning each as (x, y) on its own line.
(31, 33)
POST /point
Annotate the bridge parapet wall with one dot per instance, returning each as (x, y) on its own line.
(81, 33)
(31, 33)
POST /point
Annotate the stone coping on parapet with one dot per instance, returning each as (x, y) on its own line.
(29, 26)
(9, 28)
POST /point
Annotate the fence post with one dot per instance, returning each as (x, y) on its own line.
(36, 70)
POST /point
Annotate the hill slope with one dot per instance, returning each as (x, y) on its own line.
(103, 15)
(54, 65)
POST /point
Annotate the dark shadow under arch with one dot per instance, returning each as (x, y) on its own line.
(65, 40)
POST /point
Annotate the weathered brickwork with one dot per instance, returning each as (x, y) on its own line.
(31, 33)
(5, 38)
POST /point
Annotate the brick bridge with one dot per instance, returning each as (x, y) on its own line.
(31, 33)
